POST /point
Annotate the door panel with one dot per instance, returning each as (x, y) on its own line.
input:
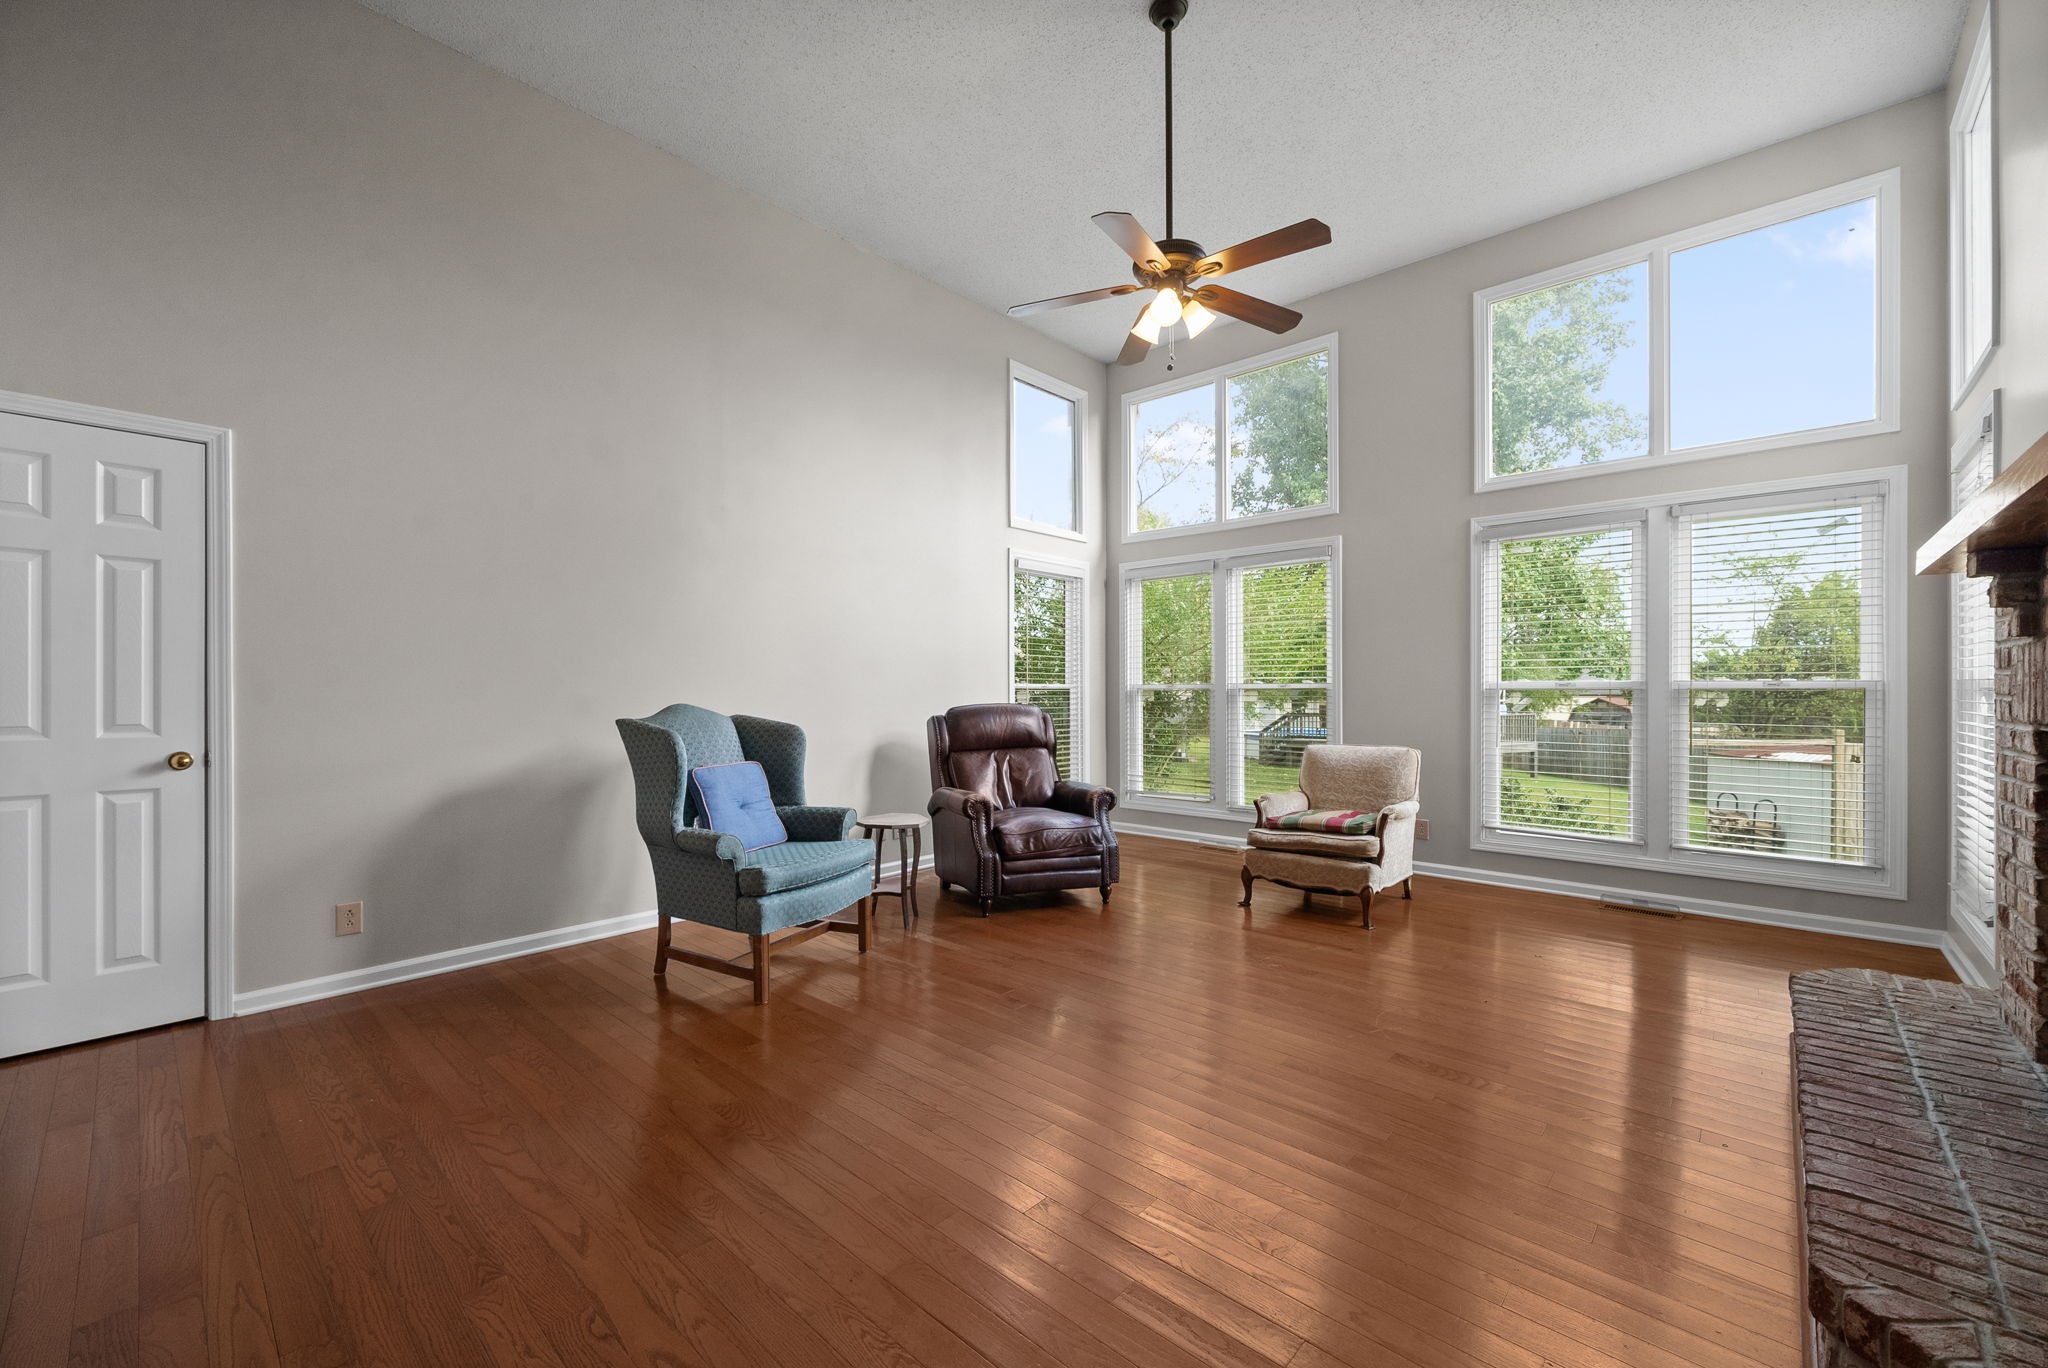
(102, 678)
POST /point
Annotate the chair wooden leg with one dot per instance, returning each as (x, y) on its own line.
(760, 968)
(1365, 897)
(1408, 887)
(987, 906)
(1246, 875)
(867, 922)
(1105, 894)
(661, 943)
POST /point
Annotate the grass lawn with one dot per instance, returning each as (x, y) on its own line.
(1191, 776)
(1608, 814)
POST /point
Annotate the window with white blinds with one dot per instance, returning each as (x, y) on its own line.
(1973, 865)
(1230, 673)
(1701, 684)
(1778, 647)
(1048, 638)
(1561, 636)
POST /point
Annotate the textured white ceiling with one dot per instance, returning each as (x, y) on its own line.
(969, 140)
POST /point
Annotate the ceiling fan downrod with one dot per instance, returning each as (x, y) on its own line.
(1166, 16)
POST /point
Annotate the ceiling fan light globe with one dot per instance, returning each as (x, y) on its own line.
(1166, 308)
(1146, 328)
(1195, 318)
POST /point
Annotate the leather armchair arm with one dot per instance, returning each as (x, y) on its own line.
(1086, 800)
(972, 806)
(711, 845)
(814, 823)
(1278, 805)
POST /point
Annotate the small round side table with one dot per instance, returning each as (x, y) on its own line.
(902, 886)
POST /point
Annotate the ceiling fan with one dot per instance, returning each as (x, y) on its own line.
(1177, 272)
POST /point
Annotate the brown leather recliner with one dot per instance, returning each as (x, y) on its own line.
(1003, 821)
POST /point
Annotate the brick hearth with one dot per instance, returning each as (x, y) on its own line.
(1924, 1155)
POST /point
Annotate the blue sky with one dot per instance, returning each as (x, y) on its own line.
(1772, 331)
(1044, 443)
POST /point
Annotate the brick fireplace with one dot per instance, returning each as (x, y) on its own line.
(1923, 1106)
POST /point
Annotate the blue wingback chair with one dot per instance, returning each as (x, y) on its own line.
(708, 876)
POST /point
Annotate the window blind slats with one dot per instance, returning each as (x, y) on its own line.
(1778, 655)
(1048, 648)
(1278, 620)
(1561, 636)
(1973, 870)
(1230, 672)
(1168, 621)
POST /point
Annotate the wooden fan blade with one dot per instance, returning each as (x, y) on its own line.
(1271, 317)
(1126, 233)
(1296, 237)
(1135, 346)
(1085, 297)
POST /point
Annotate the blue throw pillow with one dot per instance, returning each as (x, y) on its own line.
(734, 799)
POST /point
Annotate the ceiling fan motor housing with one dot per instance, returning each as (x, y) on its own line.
(1167, 14)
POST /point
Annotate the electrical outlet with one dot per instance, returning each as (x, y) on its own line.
(348, 919)
(1422, 828)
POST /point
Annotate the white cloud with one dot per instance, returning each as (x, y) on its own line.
(1849, 240)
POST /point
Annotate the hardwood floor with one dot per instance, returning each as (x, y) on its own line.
(1500, 1130)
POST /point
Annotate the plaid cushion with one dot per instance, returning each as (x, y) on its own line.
(1328, 821)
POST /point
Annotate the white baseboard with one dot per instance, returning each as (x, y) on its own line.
(1889, 932)
(441, 962)
(462, 957)
(1174, 834)
(1975, 963)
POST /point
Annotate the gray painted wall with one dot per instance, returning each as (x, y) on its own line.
(1405, 395)
(535, 427)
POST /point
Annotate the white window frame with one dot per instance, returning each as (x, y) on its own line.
(1975, 923)
(1978, 95)
(1220, 376)
(1652, 847)
(1657, 252)
(1023, 374)
(1079, 639)
(1223, 669)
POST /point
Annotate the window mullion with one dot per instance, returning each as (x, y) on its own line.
(1660, 352)
(1655, 745)
(1222, 670)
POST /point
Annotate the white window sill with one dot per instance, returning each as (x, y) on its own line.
(1784, 871)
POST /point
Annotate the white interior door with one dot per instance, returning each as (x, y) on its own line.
(102, 691)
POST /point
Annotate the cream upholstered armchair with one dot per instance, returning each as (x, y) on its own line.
(1379, 784)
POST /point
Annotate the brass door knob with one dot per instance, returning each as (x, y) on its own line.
(181, 760)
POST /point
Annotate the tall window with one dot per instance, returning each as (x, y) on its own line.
(1047, 418)
(1973, 220)
(1700, 685)
(1564, 673)
(1772, 328)
(1973, 865)
(1253, 441)
(1217, 726)
(1048, 657)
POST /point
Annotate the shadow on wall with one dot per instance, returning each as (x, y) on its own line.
(547, 844)
(899, 777)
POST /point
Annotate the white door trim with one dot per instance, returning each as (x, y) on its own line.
(220, 662)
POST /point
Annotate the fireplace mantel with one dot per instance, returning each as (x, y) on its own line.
(2010, 512)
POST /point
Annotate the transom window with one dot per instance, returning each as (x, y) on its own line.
(1771, 328)
(1211, 726)
(1702, 685)
(1243, 443)
(1047, 419)
(1973, 220)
